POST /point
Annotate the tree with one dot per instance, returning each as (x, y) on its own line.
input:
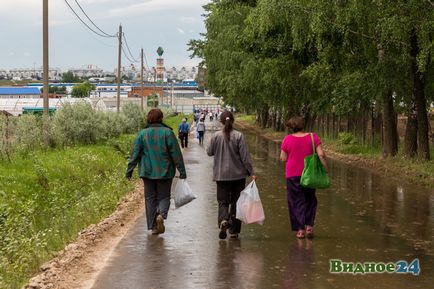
(82, 89)
(56, 89)
(339, 60)
(70, 77)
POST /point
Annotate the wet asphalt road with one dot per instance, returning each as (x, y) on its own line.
(362, 218)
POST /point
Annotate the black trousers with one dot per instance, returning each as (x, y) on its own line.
(157, 199)
(184, 139)
(228, 193)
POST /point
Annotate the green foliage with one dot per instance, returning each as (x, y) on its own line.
(134, 117)
(70, 77)
(152, 100)
(76, 124)
(83, 89)
(347, 138)
(296, 57)
(46, 198)
(57, 89)
(28, 133)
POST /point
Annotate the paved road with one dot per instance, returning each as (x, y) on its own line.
(362, 218)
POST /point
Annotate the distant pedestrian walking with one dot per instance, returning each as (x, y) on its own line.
(157, 152)
(183, 131)
(201, 130)
(232, 165)
(302, 202)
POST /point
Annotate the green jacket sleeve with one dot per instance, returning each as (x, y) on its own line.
(136, 154)
(176, 155)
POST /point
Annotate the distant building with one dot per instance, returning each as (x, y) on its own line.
(31, 73)
(181, 73)
(88, 71)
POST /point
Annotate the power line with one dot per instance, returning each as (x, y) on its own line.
(82, 10)
(128, 47)
(85, 24)
(146, 60)
(126, 55)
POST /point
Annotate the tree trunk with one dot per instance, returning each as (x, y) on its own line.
(334, 134)
(420, 100)
(410, 139)
(390, 134)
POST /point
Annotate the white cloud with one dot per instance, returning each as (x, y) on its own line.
(188, 20)
(153, 6)
(27, 54)
(180, 31)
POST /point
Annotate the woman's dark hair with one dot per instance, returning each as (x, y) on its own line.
(296, 123)
(227, 119)
(155, 115)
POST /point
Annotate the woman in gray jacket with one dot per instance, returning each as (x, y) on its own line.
(232, 165)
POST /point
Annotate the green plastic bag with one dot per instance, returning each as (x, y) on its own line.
(314, 175)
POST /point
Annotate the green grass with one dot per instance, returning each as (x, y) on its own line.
(248, 118)
(47, 197)
(174, 121)
(352, 148)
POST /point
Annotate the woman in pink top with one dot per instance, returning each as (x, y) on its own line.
(302, 201)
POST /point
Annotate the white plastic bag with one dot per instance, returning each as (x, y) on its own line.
(183, 193)
(249, 205)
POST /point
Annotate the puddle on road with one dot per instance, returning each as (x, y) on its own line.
(363, 217)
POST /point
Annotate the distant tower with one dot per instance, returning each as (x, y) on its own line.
(160, 65)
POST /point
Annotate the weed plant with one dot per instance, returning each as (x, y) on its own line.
(48, 195)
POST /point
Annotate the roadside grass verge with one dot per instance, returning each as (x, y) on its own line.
(48, 196)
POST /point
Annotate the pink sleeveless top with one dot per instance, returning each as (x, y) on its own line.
(297, 149)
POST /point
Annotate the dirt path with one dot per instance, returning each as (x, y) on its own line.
(79, 263)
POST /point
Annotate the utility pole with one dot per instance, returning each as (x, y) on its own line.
(45, 69)
(45, 54)
(118, 99)
(141, 81)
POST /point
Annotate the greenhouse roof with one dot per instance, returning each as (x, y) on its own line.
(19, 91)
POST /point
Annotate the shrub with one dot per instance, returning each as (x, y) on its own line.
(134, 117)
(75, 124)
(112, 124)
(347, 138)
(28, 133)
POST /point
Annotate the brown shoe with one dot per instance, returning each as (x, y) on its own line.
(160, 224)
(223, 227)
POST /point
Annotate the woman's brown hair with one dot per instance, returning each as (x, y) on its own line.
(296, 123)
(155, 115)
(227, 119)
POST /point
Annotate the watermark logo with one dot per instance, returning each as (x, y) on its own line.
(338, 266)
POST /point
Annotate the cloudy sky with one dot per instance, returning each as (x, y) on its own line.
(146, 23)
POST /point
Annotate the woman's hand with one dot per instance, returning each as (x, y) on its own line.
(254, 177)
(283, 156)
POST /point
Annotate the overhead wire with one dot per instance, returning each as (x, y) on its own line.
(82, 21)
(126, 55)
(129, 56)
(82, 10)
(128, 47)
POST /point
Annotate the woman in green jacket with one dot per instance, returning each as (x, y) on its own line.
(157, 152)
